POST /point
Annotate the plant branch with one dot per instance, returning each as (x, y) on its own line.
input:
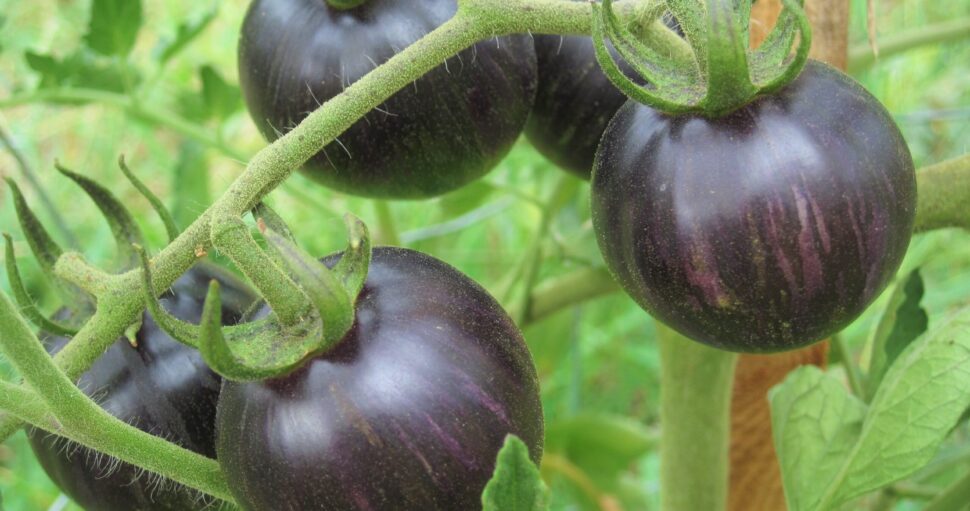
(944, 193)
(695, 412)
(861, 57)
(92, 425)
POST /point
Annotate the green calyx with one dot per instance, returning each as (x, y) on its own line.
(78, 296)
(726, 73)
(270, 346)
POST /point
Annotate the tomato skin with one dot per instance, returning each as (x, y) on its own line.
(574, 102)
(407, 412)
(449, 128)
(765, 230)
(162, 387)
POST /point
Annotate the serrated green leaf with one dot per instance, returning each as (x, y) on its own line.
(82, 70)
(114, 26)
(922, 396)
(185, 34)
(221, 98)
(515, 484)
(901, 323)
(815, 423)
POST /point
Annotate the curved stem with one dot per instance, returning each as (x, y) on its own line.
(568, 290)
(862, 57)
(92, 425)
(695, 412)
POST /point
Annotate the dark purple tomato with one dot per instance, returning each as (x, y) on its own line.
(407, 412)
(766, 229)
(574, 102)
(447, 129)
(161, 387)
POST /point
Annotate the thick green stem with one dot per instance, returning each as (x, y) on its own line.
(862, 57)
(944, 195)
(695, 413)
(569, 290)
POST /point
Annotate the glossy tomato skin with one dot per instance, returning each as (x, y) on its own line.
(574, 101)
(447, 129)
(162, 387)
(764, 230)
(408, 412)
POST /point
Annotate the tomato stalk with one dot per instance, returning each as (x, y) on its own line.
(81, 419)
(695, 410)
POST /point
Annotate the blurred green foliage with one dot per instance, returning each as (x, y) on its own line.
(598, 362)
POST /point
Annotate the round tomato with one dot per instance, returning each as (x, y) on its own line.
(407, 412)
(159, 386)
(449, 128)
(766, 229)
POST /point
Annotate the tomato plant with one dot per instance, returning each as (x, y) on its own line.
(744, 197)
(449, 128)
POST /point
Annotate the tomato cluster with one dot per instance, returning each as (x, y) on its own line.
(764, 229)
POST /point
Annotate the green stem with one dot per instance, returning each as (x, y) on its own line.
(695, 411)
(386, 226)
(569, 290)
(861, 57)
(953, 498)
(28, 406)
(92, 425)
(848, 362)
(944, 192)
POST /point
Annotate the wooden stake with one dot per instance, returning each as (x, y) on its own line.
(755, 477)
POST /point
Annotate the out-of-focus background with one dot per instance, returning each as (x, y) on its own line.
(185, 132)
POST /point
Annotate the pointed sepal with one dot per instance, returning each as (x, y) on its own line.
(163, 213)
(27, 306)
(123, 226)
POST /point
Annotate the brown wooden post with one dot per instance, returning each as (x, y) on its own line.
(755, 478)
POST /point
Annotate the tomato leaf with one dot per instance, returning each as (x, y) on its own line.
(221, 98)
(114, 26)
(828, 457)
(515, 484)
(82, 69)
(901, 323)
(185, 34)
(815, 424)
